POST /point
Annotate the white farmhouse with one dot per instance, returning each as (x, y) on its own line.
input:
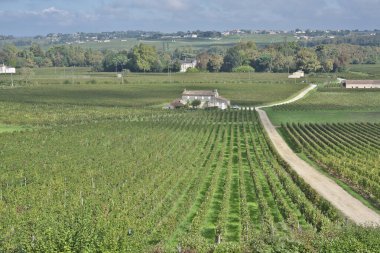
(208, 98)
(186, 64)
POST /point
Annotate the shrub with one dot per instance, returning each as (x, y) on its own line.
(192, 70)
(243, 69)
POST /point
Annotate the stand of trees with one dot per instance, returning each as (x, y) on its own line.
(245, 56)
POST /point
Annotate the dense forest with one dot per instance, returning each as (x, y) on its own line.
(243, 57)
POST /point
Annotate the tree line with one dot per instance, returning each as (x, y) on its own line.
(243, 57)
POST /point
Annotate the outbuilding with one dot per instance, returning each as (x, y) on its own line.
(361, 84)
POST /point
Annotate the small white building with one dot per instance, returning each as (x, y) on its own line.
(187, 64)
(7, 70)
(361, 84)
(297, 74)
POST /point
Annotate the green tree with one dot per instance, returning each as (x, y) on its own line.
(93, 58)
(232, 59)
(202, 60)
(263, 62)
(142, 58)
(26, 74)
(36, 50)
(308, 60)
(115, 61)
(9, 55)
(195, 103)
(215, 63)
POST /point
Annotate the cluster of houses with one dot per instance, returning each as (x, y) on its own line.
(206, 98)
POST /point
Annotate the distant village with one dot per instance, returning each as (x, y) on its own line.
(123, 36)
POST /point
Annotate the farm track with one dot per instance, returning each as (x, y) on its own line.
(331, 191)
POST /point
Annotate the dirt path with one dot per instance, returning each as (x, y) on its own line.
(343, 201)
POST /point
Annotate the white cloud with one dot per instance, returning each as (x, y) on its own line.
(176, 4)
(173, 15)
(54, 11)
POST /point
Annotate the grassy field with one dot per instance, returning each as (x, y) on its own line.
(10, 128)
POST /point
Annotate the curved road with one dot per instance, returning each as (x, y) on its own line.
(352, 208)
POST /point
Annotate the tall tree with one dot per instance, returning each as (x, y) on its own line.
(142, 58)
(215, 63)
(308, 60)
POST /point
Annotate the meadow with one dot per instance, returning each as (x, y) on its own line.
(100, 167)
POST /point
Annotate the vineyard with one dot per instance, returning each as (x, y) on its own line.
(106, 186)
(340, 99)
(349, 152)
(330, 105)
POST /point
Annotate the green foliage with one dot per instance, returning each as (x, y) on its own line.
(354, 144)
(192, 70)
(243, 69)
(307, 60)
(195, 103)
(138, 57)
(215, 63)
(144, 58)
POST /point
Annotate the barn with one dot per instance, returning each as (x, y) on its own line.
(361, 84)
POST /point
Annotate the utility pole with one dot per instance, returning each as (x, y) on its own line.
(287, 52)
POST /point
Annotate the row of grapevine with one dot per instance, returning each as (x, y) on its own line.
(347, 151)
(169, 181)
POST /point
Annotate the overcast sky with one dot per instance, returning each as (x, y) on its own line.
(39, 17)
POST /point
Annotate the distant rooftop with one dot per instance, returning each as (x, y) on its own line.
(362, 81)
(200, 93)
